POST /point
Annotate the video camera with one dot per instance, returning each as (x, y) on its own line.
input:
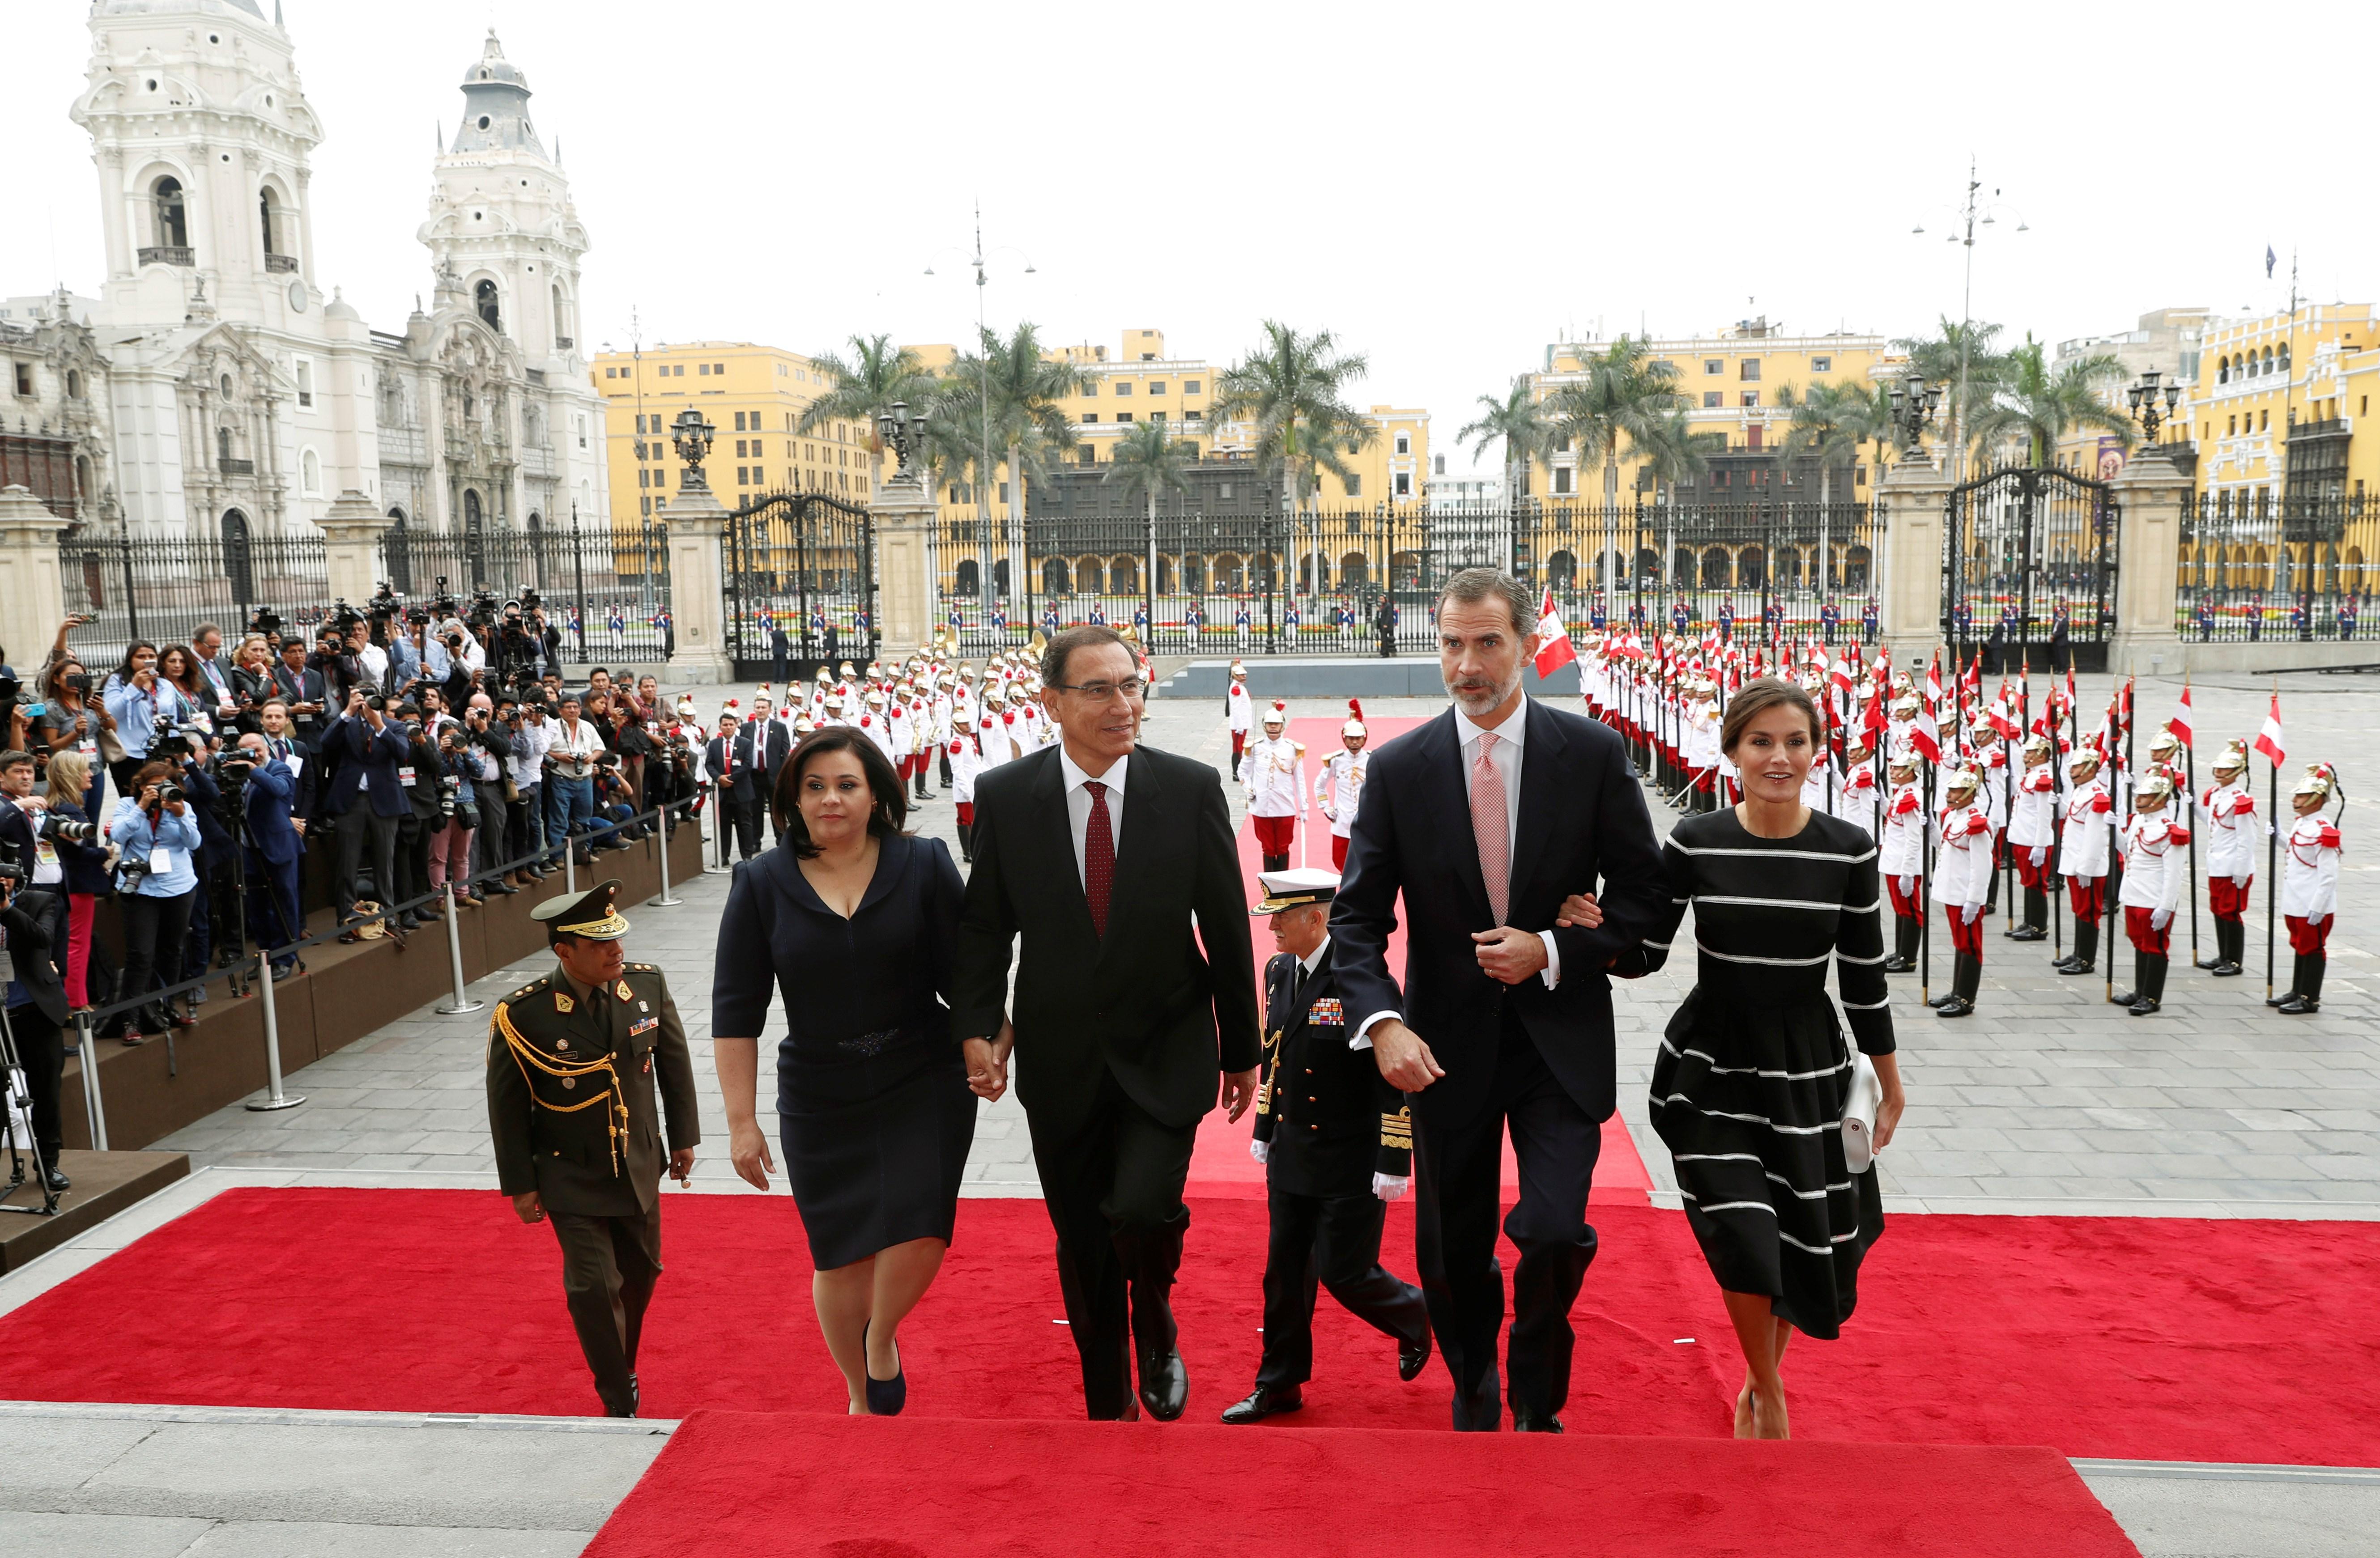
(171, 741)
(343, 616)
(385, 602)
(442, 600)
(483, 610)
(265, 620)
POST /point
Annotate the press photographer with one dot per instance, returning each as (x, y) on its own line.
(156, 880)
(450, 847)
(489, 745)
(273, 844)
(37, 1005)
(367, 796)
(529, 733)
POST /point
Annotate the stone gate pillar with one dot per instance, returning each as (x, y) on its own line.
(697, 539)
(905, 514)
(32, 589)
(352, 528)
(1909, 498)
(2153, 495)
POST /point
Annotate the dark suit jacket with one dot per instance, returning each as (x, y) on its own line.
(1583, 829)
(377, 757)
(1142, 1002)
(742, 785)
(1331, 1118)
(29, 920)
(268, 800)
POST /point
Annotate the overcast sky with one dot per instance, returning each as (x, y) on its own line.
(1447, 188)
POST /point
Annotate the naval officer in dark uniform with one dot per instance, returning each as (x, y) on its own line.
(1336, 1142)
(572, 1063)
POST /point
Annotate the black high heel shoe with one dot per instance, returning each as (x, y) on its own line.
(885, 1397)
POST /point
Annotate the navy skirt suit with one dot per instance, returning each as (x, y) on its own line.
(871, 1091)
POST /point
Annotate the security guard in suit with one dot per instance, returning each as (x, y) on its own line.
(1336, 1142)
(572, 1061)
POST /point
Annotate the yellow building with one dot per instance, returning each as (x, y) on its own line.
(1731, 380)
(754, 397)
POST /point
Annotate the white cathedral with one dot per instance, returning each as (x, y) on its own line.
(216, 386)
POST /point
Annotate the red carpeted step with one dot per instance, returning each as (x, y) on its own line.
(2166, 1339)
(920, 1488)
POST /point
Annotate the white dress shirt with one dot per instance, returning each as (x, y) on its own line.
(1511, 736)
(1078, 806)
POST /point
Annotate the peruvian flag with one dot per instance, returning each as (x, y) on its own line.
(1925, 731)
(2268, 739)
(2180, 724)
(2003, 715)
(1554, 650)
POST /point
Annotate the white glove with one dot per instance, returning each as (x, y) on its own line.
(2316, 919)
(1908, 885)
(1389, 1186)
(1332, 815)
(1259, 1149)
(2161, 918)
(2241, 881)
(2039, 855)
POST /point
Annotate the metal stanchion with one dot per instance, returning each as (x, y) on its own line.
(716, 820)
(569, 865)
(274, 1097)
(667, 899)
(86, 1052)
(463, 1001)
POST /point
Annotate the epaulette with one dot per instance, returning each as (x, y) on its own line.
(528, 989)
(643, 968)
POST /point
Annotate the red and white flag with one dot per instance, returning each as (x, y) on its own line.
(1554, 650)
(2004, 716)
(2268, 739)
(2180, 724)
(1925, 731)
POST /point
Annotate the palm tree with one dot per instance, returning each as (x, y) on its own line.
(1961, 359)
(1150, 461)
(1517, 420)
(1008, 393)
(1866, 413)
(2041, 406)
(1617, 408)
(1292, 389)
(866, 384)
(1820, 430)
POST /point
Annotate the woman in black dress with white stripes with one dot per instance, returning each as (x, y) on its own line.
(1749, 1086)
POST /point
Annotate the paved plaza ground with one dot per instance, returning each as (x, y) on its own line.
(2046, 1101)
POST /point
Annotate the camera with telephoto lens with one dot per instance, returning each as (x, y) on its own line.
(168, 793)
(49, 825)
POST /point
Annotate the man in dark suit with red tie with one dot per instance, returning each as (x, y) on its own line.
(1100, 853)
(1485, 820)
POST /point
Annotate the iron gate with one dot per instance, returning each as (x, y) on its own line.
(804, 562)
(2028, 569)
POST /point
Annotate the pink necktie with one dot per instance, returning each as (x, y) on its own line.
(1487, 827)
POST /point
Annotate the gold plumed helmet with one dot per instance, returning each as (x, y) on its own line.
(1964, 777)
(2035, 743)
(2321, 779)
(1355, 726)
(2234, 757)
(2165, 741)
(2156, 782)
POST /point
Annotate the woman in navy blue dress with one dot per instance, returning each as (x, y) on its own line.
(855, 922)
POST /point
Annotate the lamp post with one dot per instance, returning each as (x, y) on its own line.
(1970, 214)
(904, 433)
(2143, 396)
(692, 432)
(983, 391)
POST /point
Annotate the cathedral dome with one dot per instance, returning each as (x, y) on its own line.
(495, 105)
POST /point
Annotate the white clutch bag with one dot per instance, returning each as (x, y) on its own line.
(1859, 1114)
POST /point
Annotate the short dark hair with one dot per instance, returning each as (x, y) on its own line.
(1054, 655)
(1473, 585)
(1757, 699)
(12, 758)
(892, 807)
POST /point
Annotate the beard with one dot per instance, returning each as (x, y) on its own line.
(1478, 698)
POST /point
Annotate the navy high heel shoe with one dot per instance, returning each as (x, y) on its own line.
(885, 1397)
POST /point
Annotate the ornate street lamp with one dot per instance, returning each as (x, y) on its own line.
(692, 433)
(904, 435)
(1914, 403)
(2144, 397)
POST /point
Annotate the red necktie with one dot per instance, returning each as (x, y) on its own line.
(1098, 857)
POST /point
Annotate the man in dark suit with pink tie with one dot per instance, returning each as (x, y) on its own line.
(1136, 1005)
(1485, 820)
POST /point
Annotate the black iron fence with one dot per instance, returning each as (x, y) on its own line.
(2029, 559)
(606, 587)
(1315, 583)
(2252, 567)
(162, 590)
(803, 564)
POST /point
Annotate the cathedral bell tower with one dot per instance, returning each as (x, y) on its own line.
(501, 219)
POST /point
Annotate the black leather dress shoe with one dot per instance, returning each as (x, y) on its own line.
(1527, 1420)
(1164, 1385)
(1412, 1355)
(1262, 1403)
(57, 1180)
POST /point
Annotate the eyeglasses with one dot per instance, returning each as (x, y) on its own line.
(1102, 692)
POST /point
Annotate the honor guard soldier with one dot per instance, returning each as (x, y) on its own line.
(1240, 712)
(1340, 783)
(1987, 750)
(2155, 868)
(1855, 796)
(573, 1060)
(1273, 775)
(1336, 1142)
(2082, 856)
(2031, 836)
(1900, 856)
(2309, 855)
(1962, 874)
(2228, 816)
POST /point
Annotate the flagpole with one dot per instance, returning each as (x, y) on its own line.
(2272, 853)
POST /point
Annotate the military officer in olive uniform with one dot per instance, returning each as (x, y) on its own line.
(1336, 1142)
(572, 1060)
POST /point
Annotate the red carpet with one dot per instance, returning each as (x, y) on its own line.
(2160, 1338)
(1219, 1165)
(909, 1488)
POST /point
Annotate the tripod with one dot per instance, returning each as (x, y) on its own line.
(19, 1098)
